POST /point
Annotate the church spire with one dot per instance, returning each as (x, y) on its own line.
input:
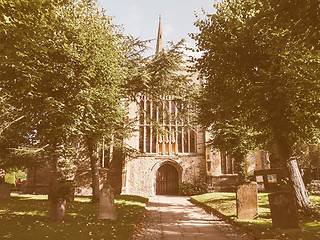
(159, 46)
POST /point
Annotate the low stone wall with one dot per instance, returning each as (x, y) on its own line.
(222, 183)
(38, 181)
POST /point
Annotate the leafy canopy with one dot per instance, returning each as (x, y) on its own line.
(260, 61)
(61, 65)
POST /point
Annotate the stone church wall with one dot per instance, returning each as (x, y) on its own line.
(140, 172)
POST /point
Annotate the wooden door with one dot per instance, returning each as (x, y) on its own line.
(167, 180)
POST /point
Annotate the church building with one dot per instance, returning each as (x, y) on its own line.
(179, 155)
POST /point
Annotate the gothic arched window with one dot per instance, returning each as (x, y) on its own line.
(173, 136)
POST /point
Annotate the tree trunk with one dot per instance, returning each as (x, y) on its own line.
(58, 205)
(299, 189)
(94, 171)
(285, 154)
(240, 166)
(58, 209)
(114, 176)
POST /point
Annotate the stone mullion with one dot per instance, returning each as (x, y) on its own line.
(188, 136)
(169, 134)
(233, 166)
(176, 129)
(182, 138)
(156, 133)
(195, 139)
(102, 158)
(150, 125)
(157, 137)
(163, 126)
(144, 124)
(227, 164)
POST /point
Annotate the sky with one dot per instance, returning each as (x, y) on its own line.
(140, 18)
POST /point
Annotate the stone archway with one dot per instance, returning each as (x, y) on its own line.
(158, 165)
(167, 180)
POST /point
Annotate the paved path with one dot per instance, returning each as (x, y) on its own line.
(173, 217)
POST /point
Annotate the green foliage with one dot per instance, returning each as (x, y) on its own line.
(8, 113)
(259, 62)
(26, 217)
(60, 63)
(69, 69)
(11, 155)
(314, 188)
(12, 177)
(307, 155)
(190, 189)
(164, 74)
(65, 190)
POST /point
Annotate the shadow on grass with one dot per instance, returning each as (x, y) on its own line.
(261, 227)
(26, 217)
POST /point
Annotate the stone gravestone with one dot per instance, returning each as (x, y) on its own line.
(5, 190)
(283, 210)
(247, 201)
(107, 208)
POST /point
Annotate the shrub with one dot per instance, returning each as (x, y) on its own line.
(190, 189)
(65, 190)
(314, 187)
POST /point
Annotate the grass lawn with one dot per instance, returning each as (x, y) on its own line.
(26, 217)
(262, 226)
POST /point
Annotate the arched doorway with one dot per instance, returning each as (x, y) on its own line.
(167, 180)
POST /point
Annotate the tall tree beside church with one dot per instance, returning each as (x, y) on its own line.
(260, 61)
(49, 63)
(102, 112)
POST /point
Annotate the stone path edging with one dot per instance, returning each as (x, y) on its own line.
(139, 221)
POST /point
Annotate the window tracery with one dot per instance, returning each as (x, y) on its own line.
(173, 137)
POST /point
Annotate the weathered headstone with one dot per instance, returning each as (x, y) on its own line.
(5, 190)
(283, 210)
(247, 201)
(107, 208)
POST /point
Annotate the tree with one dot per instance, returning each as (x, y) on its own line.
(50, 63)
(14, 150)
(235, 140)
(8, 113)
(260, 62)
(163, 74)
(102, 111)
